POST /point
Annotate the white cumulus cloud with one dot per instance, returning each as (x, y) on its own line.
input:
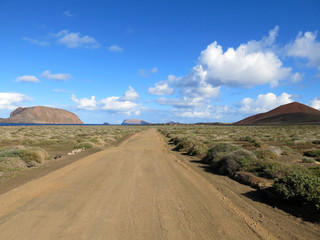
(264, 103)
(57, 76)
(147, 72)
(115, 104)
(75, 40)
(251, 64)
(27, 78)
(154, 70)
(85, 103)
(306, 46)
(161, 88)
(130, 95)
(315, 103)
(115, 48)
(10, 101)
(126, 104)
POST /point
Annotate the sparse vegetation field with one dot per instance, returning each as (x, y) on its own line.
(288, 157)
(24, 147)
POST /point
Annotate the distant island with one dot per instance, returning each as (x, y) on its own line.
(134, 122)
(172, 123)
(41, 115)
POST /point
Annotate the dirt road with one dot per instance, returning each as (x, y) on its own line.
(138, 190)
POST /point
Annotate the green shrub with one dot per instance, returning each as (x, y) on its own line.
(5, 154)
(316, 142)
(182, 144)
(315, 171)
(198, 149)
(312, 153)
(85, 145)
(175, 140)
(239, 160)
(217, 152)
(299, 188)
(93, 140)
(272, 170)
(308, 160)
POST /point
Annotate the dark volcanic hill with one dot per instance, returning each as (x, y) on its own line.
(134, 122)
(292, 113)
(42, 115)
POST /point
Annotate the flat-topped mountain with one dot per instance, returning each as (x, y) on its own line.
(291, 113)
(134, 122)
(42, 115)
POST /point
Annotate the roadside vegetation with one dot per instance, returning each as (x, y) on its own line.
(23, 147)
(285, 159)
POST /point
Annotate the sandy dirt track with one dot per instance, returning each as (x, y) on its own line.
(138, 190)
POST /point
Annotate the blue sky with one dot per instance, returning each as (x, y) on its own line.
(160, 61)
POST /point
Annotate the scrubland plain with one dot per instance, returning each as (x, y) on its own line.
(283, 160)
(23, 147)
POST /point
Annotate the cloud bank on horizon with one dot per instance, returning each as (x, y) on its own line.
(105, 73)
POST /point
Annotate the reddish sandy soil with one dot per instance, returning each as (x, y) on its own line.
(141, 190)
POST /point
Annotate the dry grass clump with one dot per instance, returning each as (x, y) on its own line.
(265, 154)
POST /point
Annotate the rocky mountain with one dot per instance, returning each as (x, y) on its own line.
(134, 122)
(42, 115)
(292, 113)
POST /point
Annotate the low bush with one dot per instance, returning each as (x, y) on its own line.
(315, 171)
(235, 161)
(28, 156)
(183, 144)
(272, 170)
(217, 152)
(175, 140)
(316, 142)
(198, 149)
(299, 188)
(308, 160)
(312, 153)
